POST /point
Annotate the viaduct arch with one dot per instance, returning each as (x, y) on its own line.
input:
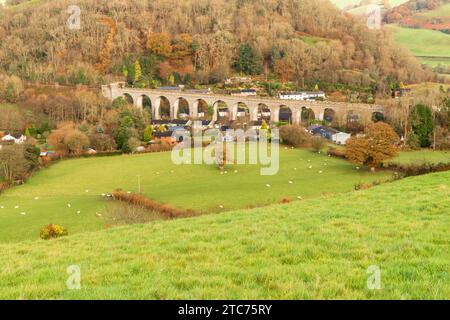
(254, 105)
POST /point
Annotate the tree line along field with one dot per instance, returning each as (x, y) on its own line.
(313, 249)
(46, 197)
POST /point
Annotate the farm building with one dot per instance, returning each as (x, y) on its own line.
(330, 134)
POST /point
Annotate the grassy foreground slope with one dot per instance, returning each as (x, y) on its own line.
(317, 248)
(44, 199)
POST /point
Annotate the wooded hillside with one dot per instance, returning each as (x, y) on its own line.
(198, 41)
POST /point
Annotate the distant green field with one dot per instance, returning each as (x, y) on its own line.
(432, 46)
(343, 3)
(313, 249)
(442, 11)
(434, 62)
(423, 156)
(80, 182)
(26, 3)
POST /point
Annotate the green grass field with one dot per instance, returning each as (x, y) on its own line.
(80, 182)
(440, 12)
(422, 156)
(313, 249)
(431, 46)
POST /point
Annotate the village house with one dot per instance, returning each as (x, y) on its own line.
(340, 137)
(302, 95)
(11, 139)
(244, 93)
(330, 134)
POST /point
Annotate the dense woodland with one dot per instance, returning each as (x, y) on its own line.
(199, 41)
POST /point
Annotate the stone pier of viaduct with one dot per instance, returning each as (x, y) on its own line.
(253, 104)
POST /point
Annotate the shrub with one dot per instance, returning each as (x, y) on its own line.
(317, 143)
(337, 153)
(362, 186)
(102, 142)
(165, 210)
(413, 141)
(285, 200)
(148, 134)
(53, 231)
(125, 213)
(133, 143)
(160, 147)
(294, 135)
(76, 141)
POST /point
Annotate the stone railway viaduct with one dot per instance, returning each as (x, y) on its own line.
(254, 104)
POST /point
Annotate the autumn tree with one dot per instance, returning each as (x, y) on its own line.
(11, 88)
(76, 141)
(16, 161)
(11, 119)
(378, 144)
(294, 135)
(159, 43)
(105, 58)
(137, 71)
(284, 70)
(182, 45)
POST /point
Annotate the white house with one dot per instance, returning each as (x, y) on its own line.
(245, 93)
(341, 137)
(302, 95)
(10, 138)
